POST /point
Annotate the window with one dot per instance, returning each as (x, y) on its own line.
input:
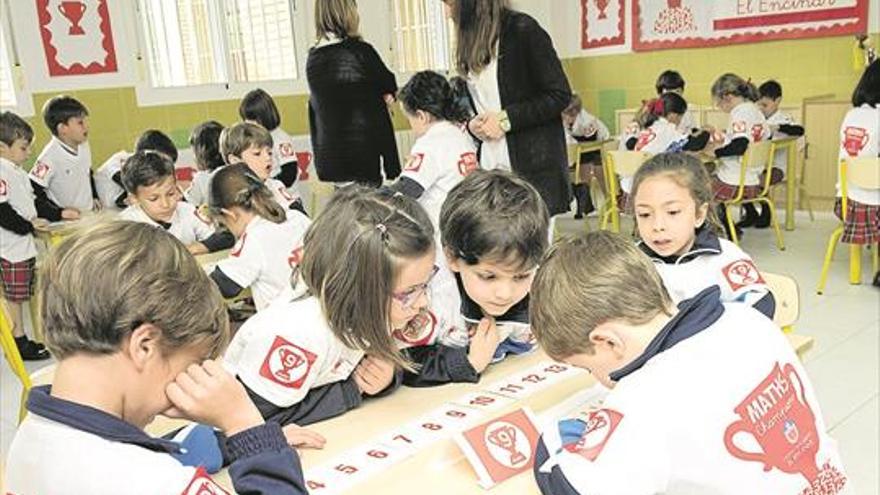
(196, 42)
(422, 36)
(7, 87)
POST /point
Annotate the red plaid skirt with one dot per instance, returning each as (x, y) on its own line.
(18, 279)
(724, 191)
(776, 176)
(862, 225)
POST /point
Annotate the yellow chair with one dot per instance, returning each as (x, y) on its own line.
(758, 156)
(864, 173)
(320, 193)
(575, 151)
(7, 342)
(624, 163)
(787, 294)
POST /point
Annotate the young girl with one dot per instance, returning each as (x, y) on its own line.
(581, 126)
(858, 137)
(443, 153)
(205, 142)
(672, 196)
(332, 329)
(251, 144)
(662, 119)
(736, 96)
(267, 236)
(670, 81)
(148, 177)
(258, 107)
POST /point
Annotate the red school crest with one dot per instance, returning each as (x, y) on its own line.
(415, 162)
(285, 150)
(854, 140)
(600, 425)
(742, 273)
(295, 257)
(757, 132)
(40, 170)
(287, 364)
(645, 137)
(467, 163)
(202, 484)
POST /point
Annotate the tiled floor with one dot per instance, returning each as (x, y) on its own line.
(844, 365)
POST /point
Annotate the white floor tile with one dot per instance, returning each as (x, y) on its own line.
(859, 439)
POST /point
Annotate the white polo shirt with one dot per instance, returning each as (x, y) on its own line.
(64, 173)
(746, 121)
(15, 189)
(187, 224)
(108, 190)
(859, 133)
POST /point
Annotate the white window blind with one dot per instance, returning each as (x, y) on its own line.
(7, 88)
(194, 42)
(422, 36)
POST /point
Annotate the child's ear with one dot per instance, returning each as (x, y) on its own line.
(452, 261)
(232, 159)
(605, 339)
(702, 212)
(143, 345)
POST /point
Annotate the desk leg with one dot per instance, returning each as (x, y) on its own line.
(790, 186)
(855, 264)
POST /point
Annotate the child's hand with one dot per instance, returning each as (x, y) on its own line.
(70, 214)
(373, 375)
(207, 393)
(97, 205)
(40, 224)
(197, 248)
(302, 438)
(483, 344)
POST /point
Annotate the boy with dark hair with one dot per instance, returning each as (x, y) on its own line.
(670, 81)
(108, 177)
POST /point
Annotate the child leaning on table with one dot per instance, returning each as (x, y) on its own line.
(126, 355)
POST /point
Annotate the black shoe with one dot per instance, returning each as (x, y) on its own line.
(750, 216)
(763, 220)
(876, 282)
(578, 216)
(30, 350)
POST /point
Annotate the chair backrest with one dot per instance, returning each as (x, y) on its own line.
(623, 117)
(863, 172)
(758, 155)
(571, 149)
(626, 163)
(785, 291)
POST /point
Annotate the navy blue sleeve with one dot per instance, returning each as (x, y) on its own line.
(320, 403)
(228, 288)
(92, 184)
(289, 173)
(554, 482)
(696, 142)
(408, 187)
(631, 143)
(46, 208)
(219, 240)
(766, 305)
(791, 129)
(737, 147)
(12, 221)
(439, 364)
(263, 463)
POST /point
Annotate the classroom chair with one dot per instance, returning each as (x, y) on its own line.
(614, 163)
(787, 294)
(7, 342)
(575, 151)
(862, 172)
(758, 156)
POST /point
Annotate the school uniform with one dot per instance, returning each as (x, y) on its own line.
(713, 261)
(18, 251)
(284, 166)
(187, 224)
(262, 257)
(64, 448)
(442, 353)
(588, 127)
(200, 187)
(108, 181)
(65, 174)
(786, 128)
(438, 161)
(747, 125)
(688, 123)
(859, 133)
(287, 198)
(718, 403)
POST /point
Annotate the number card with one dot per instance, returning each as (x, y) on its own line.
(484, 401)
(323, 481)
(501, 448)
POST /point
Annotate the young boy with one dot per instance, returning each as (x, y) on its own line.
(494, 231)
(670, 81)
(581, 126)
(251, 144)
(126, 355)
(18, 220)
(108, 177)
(706, 397)
(148, 177)
(62, 174)
(781, 126)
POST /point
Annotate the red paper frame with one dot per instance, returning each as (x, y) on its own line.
(77, 69)
(620, 39)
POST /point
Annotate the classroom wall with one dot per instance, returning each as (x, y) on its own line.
(608, 79)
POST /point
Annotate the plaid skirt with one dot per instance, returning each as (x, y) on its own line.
(862, 225)
(18, 279)
(724, 191)
(776, 176)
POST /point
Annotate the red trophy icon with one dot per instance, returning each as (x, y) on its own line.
(854, 140)
(290, 361)
(779, 418)
(602, 5)
(505, 437)
(73, 11)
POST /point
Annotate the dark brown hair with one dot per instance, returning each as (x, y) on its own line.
(478, 24)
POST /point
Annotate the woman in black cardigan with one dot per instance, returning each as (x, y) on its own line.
(350, 88)
(519, 90)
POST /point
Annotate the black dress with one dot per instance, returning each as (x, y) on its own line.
(350, 126)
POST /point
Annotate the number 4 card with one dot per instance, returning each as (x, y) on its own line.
(502, 447)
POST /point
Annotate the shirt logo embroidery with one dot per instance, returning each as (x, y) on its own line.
(236, 250)
(415, 162)
(467, 163)
(645, 137)
(600, 425)
(739, 127)
(854, 140)
(287, 364)
(295, 257)
(41, 170)
(742, 273)
(286, 150)
(202, 484)
(757, 132)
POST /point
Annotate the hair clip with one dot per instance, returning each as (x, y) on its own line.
(383, 230)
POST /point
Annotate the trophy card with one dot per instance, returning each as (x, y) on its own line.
(502, 447)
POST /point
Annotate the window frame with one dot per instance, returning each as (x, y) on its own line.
(393, 52)
(24, 102)
(149, 95)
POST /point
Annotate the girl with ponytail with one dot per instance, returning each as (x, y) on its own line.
(443, 153)
(267, 236)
